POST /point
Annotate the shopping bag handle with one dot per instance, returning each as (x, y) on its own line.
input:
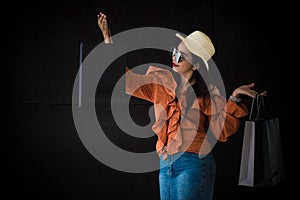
(259, 104)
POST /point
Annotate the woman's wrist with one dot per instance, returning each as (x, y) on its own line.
(107, 40)
(107, 37)
(235, 99)
(235, 94)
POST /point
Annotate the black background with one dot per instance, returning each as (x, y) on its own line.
(47, 160)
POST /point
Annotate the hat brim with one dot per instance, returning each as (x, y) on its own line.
(192, 48)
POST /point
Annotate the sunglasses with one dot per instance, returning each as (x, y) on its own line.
(178, 55)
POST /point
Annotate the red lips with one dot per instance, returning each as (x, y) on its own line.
(175, 65)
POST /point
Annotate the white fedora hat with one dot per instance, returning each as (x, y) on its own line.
(199, 44)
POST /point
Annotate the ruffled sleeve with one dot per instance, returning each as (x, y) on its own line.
(223, 116)
(158, 86)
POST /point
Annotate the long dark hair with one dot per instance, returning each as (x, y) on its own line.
(201, 81)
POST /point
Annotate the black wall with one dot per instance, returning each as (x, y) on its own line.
(47, 160)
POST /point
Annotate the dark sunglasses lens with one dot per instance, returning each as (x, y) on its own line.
(177, 54)
(178, 57)
(173, 52)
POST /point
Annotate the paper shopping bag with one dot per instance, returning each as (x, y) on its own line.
(261, 159)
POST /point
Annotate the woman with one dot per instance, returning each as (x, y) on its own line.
(187, 107)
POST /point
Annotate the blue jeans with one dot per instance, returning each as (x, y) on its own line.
(186, 176)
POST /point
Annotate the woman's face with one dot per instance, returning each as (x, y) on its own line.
(184, 65)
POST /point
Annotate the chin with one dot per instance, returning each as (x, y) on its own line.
(175, 69)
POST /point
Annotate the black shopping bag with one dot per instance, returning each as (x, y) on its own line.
(261, 160)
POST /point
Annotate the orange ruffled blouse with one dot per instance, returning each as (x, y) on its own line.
(179, 130)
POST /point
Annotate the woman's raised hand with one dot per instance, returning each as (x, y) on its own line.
(103, 25)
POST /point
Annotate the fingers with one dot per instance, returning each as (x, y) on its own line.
(101, 15)
(264, 93)
(101, 18)
(102, 23)
(248, 91)
(251, 85)
(252, 93)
